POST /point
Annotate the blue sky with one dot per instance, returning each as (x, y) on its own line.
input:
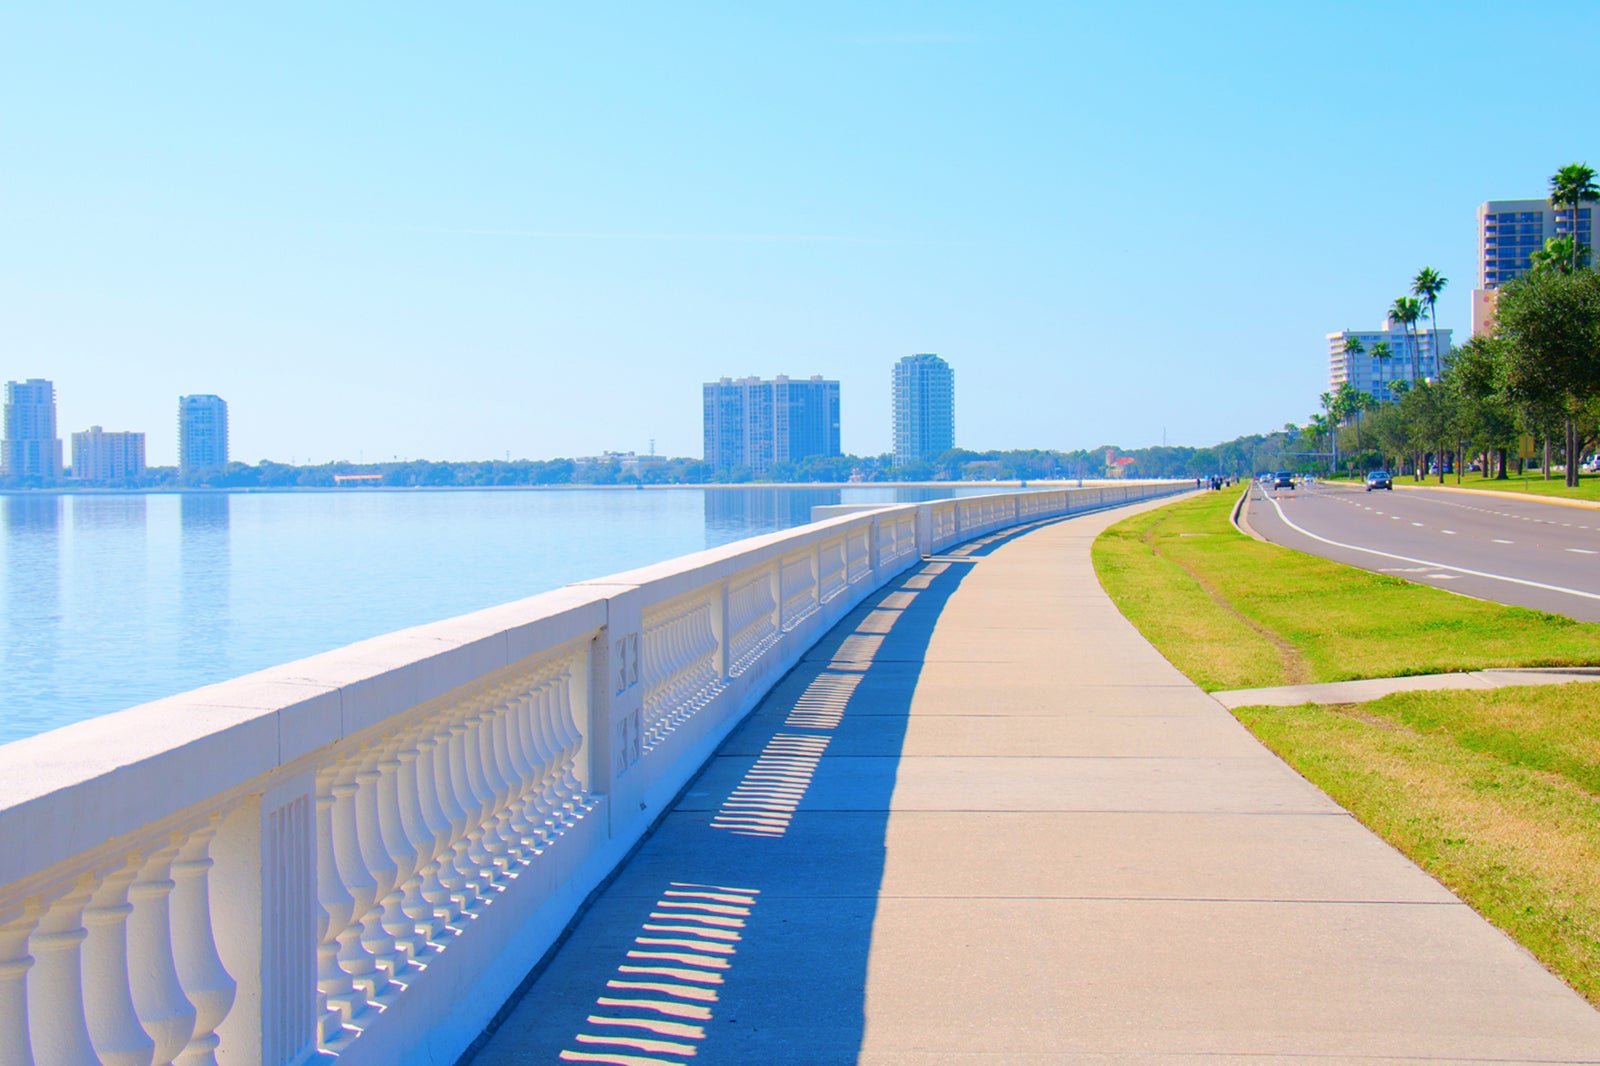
(470, 230)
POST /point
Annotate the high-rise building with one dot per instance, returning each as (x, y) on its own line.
(1375, 376)
(924, 408)
(1509, 232)
(99, 457)
(31, 448)
(202, 433)
(754, 423)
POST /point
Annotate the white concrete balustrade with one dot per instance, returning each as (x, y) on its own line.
(360, 855)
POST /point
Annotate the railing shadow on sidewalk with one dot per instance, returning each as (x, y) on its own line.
(740, 930)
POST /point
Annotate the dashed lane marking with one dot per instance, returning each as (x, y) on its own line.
(1431, 564)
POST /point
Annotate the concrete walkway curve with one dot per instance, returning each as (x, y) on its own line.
(985, 822)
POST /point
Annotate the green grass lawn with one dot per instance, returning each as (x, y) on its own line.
(1529, 484)
(1232, 612)
(1495, 793)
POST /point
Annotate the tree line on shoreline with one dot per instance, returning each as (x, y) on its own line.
(1529, 386)
(1241, 456)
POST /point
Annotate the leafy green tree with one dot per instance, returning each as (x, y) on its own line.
(1550, 324)
(1489, 421)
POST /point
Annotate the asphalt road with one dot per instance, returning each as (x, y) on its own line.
(1509, 549)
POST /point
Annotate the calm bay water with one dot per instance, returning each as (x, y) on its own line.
(115, 600)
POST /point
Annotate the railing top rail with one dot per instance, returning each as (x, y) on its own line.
(67, 791)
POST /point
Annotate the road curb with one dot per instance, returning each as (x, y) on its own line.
(1240, 522)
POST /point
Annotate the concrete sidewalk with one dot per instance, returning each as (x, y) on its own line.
(985, 821)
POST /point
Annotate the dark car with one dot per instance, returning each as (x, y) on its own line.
(1379, 479)
(1283, 480)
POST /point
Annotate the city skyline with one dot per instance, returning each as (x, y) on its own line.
(445, 235)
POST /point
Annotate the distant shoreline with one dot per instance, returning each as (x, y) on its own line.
(90, 490)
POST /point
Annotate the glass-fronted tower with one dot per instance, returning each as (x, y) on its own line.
(202, 433)
(754, 424)
(1509, 232)
(924, 409)
(31, 448)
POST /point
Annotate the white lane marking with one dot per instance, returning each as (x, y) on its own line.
(1448, 532)
(1416, 523)
(1433, 565)
(1583, 551)
(1497, 540)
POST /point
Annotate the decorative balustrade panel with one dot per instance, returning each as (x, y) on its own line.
(801, 596)
(944, 524)
(680, 660)
(425, 823)
(905, 530)
(858, 553)
(751, 622)
(112, 959)
(833, 568)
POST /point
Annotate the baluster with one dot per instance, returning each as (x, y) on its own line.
(378, 864)
(456, 869)
(113, 1023)
(498, 836)
(497, 839)
(354, 958)
(522, 773)
(397, 772)
(15, 962)
(550, 781)
(56, 1019)
(571, 742)
(340, 1000)
(194, 945)
(535, 799)
(468, 776)
(439, 879)
(158, 996)
(506, 781)
(414, 792)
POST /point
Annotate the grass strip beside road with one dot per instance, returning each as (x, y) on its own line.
(1232, 612)
(1496, 793)
(1493, 793)
(1519, 485)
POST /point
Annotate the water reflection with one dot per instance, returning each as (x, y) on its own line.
(32, 625)
(122, 515)
(733, 513)
(203, 571)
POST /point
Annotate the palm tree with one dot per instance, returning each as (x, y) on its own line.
(1559, 254)
(1427, 285)
(1571, 186)
(1381, 352)
(1347, 407)
(1406, 311)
